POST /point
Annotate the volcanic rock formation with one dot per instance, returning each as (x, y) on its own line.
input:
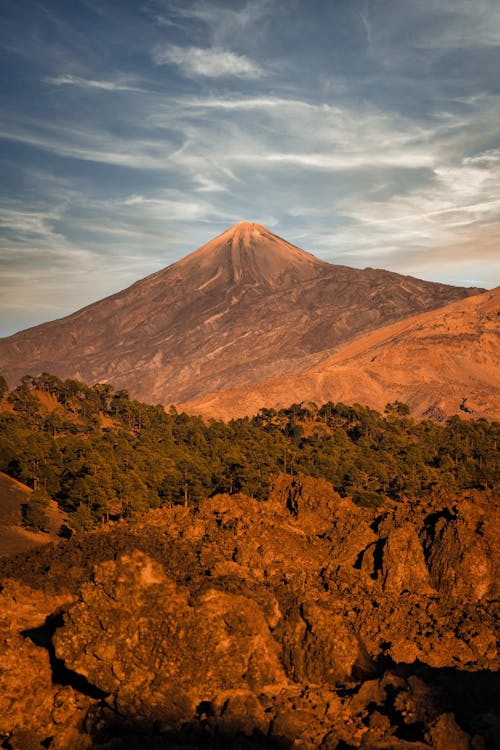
(303, 621)
(244, 307)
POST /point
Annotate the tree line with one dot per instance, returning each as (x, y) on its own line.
(100, 453)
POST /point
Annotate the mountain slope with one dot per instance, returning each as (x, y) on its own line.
(244, 307)
(14, 538)
(442, 362)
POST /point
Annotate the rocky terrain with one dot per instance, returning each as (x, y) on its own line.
(441, 363)
(245, 307)
(303, 621)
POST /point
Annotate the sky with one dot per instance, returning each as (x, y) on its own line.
(364, 131)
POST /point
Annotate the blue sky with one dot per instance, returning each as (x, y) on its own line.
(364, 131)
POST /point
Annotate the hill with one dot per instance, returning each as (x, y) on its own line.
(441, 363)
(14, 538)
(101, 454)
(245, 307)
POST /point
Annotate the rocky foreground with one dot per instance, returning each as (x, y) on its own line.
(300, 622)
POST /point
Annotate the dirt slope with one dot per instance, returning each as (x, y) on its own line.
(442, 362)
(13, 537)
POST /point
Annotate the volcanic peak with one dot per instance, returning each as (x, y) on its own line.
(251, 253)
(244, 232)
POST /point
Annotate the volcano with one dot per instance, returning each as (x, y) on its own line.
(245, 307)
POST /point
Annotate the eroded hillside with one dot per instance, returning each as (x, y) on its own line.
(441, 363)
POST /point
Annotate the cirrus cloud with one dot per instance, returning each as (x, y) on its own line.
(209, 62)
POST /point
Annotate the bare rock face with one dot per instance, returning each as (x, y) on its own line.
(25, 683)
(319, 645)
(464, 551)
(311, 502)
(155, 648)
(245, 307)
(403, 563)
(302, 621)
(33, 709)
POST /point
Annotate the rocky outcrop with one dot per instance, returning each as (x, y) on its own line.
(34, 709)
(403, 565)
(159, 651)
(463, 550)
(302, 621)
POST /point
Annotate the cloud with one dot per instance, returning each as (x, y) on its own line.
(227, 18)
(292, 132)
(41, 269)
(220, 155)
(30, 238)
(89, 143)
(67, 79)
(248, 103)
(342, 162)
(208, 63)
(415, 38)
(70, 249)
(451, 222)
(168, 204)
(208, 185)
(468, 24)
(226, 25)
(365, 20)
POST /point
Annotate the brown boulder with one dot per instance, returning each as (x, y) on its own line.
(463, 550)
(320, 646)
(137, 635)
(313, 503)
(403, 563)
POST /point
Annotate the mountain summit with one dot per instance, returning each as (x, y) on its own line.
(250, 253)
(246, 306)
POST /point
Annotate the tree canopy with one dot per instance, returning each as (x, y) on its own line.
(101, 454)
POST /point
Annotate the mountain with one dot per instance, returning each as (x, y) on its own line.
(441, 363)
(245, 307)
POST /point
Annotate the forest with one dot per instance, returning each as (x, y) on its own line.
(101, 454)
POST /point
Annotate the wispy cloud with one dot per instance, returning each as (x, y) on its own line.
(342, 162)
(228, 18)
(248, 103)
(337, 139)
(468, 24)
(453, 219)
(208, 62)
(57, 253)
(89, 144)
(423, 34)
(226, 25)
(40, 264)
(67, 79)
